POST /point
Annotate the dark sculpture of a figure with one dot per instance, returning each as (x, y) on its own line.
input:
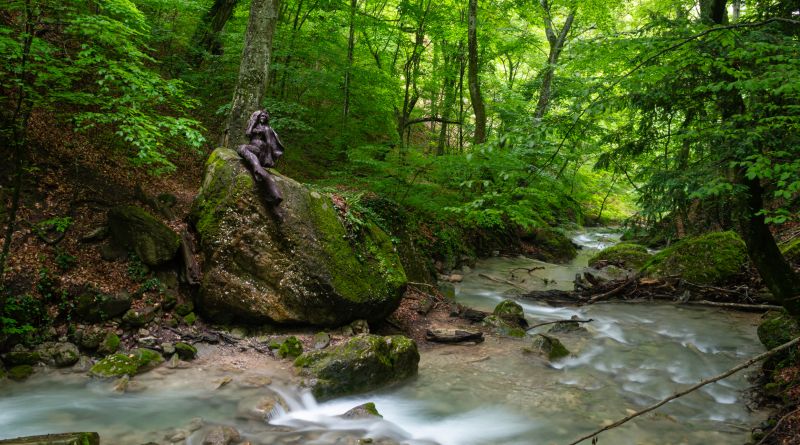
(262, 152)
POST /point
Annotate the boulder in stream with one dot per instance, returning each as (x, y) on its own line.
(132, 363)
(59, 355)
(297, 264)
(362, 363)
(628, 255)
(511, 312)
(712, 259)
(548, 347)
(363, 411)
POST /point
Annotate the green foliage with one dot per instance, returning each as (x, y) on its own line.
(64, 260)
(59, 224)
(137, 270)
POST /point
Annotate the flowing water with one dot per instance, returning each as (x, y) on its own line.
(492, 393)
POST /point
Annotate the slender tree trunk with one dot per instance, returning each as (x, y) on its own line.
(253, 70)
(351, 42)
(556, 42)
(19, 136)
(478, 106)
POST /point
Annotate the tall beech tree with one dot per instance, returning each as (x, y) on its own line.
(253, 69)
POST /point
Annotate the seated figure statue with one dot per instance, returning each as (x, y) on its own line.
(262, 152)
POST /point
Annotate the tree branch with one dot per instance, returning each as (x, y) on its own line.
(430, 119)
(678, 394)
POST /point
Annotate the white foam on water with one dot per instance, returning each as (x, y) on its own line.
(407, 421)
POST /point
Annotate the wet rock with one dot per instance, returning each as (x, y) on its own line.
(84, 364)
(20, 372)
(362, 363)
(147, 342)
(139, 317)
(110, 343)
(548, 346)
(190, 319)
(502, 327)
(447, 289)
(567, 328)
(195, 424)
(258, 408)
(321, 340)
(358, 327)
(134, 228)
(511, 313)
(185, 351)
(712, 258)
(135, 362)
(56, 439)
(221, 435)
(628, 255)
(301, 268)
(59, 355)
(455, 278)
(363, 411)
(167, 348)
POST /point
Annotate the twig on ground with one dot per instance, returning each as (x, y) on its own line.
(777, 424)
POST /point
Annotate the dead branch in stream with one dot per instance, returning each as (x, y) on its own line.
(693, 388)
(500, 280)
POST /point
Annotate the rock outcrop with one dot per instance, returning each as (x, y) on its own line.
(296, 265)
(151, 240)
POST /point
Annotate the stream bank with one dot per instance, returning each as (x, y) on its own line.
(487, 393)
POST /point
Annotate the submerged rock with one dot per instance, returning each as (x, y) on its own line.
(55, 439)
(503, 327)
(712, 258)
(20, 372)
(221, 435)
(627, 255)
(363, 411)
(363, 363)
(152, 241)
(548, 347)
(301, 266)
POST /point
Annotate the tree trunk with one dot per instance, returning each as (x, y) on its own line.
(474, 86)
(253, 70)
(207, 33)
(777, 274)
(351, 42)
(556, 43)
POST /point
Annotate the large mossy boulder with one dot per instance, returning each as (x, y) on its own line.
(712, 258)
(628, 255)
(363, 363)
(296, 265)
(511, 312)
(94, 306)
(150, 239)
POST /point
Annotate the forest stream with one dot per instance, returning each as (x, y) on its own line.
(490, 393)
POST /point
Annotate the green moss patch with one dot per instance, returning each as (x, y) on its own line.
(708, 259)
(290, 348)
(791, 251)
(20, 372)
(135, 362)
(627, 255)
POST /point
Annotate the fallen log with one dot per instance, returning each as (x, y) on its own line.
(613, 292)
(737, 306)
(501, 280)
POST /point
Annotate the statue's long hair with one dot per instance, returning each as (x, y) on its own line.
(251, 125)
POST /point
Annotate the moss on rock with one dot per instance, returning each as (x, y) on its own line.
(363, 363)
(511, 312)
(185, 351)
(132, 363)
(551, 245)
(707, 259)
(627, 255)
(15, 358)
(777, 329)
(110, 343)
(20, 372)
(548, 346)
(301, 268)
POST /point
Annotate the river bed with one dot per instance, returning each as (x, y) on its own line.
(491, 393)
